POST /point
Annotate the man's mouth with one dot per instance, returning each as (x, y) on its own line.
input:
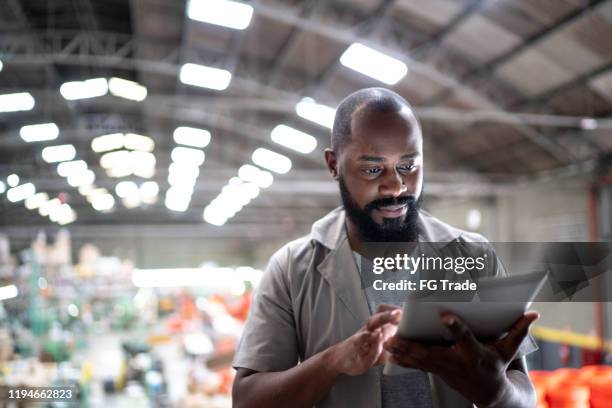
(392, 211)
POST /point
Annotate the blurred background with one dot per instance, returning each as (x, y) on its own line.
(154, 154)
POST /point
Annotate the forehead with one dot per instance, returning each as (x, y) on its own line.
(384, 133)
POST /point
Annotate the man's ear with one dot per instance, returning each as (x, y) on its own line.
(332, 162)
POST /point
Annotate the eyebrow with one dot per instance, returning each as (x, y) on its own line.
(381, 159)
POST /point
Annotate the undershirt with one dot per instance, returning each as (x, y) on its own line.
(407, 390)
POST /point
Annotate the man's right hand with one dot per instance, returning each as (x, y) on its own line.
(364, 349)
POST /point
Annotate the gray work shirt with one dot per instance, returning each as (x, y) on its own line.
(310, 298)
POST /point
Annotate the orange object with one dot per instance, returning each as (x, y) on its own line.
(569, 395)
(601, 391)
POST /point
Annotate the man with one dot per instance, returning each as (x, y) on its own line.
(311, 309)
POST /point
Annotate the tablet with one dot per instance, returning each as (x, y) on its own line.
(502, 302)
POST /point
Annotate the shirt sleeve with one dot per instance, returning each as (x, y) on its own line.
(269, 341)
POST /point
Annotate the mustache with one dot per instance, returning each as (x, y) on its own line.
(383, 202)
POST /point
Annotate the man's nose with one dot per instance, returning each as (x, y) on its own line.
(392, 185)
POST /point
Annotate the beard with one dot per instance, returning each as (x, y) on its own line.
(399, 229)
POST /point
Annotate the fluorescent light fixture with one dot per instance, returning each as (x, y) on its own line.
(84, 178)
(35, 201)
(60, 212)
(66, 169)
(89, 88)
(142, 161)
(1, 66)
(187, 155)
(190, 136)
(120, 171)
(127, 89)
(107, 143)
(21, 192)
(176, 201)
(133, 141)
(14, 102)
(271, 160)
(323, 115)
(39, 133)
(293, 139)
(214, 216)
(45, 208)
(226, 13)
(262, 178)
(102, 202)
(177, 180)
(2, 187)
(59, 153)
(186, 170)
(374, 64)
(8, 292)
(115, 159)
(205, 77)
(149, 191)
(68, 218)
(126, 188)
(12, 180)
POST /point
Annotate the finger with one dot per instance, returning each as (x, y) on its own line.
(385, 307)
(461, 333)
(379, 319)
(511, 342)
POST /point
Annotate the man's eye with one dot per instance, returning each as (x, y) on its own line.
(407, 167)
(372, 171)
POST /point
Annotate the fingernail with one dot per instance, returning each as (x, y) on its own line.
(395, 313)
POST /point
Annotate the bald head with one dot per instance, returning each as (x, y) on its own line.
(363, 101)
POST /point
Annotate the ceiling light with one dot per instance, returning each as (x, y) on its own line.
(308, 109)
(190, 136)
(271, 160)
(35, 201)
(21, 101)
(126, 188)
(294, 139)
(54, 154)
(60, 212)
(213, 216)
(120, 171)
(177, 180)
(184, 170)
(187, 155)
(127, 89)
(262, 178)
(133, 141)
(206, 77)
(374, 64)
(8, 292)
(12, 180)
(68, 218)
(84, 178)
(89, 88)
(107, 143)
(45, 208)
(102, 202)
(1, 66)
(39, 133)
(231, 14)
(66, 169)
(119, 158)
(20, 192)
(2, 187)
(176, 202)
(149, 191)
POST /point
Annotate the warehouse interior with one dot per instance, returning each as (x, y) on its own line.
(154, 154)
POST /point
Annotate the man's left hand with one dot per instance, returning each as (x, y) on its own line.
(476, 370)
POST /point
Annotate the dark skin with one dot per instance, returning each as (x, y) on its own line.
(384, 159)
